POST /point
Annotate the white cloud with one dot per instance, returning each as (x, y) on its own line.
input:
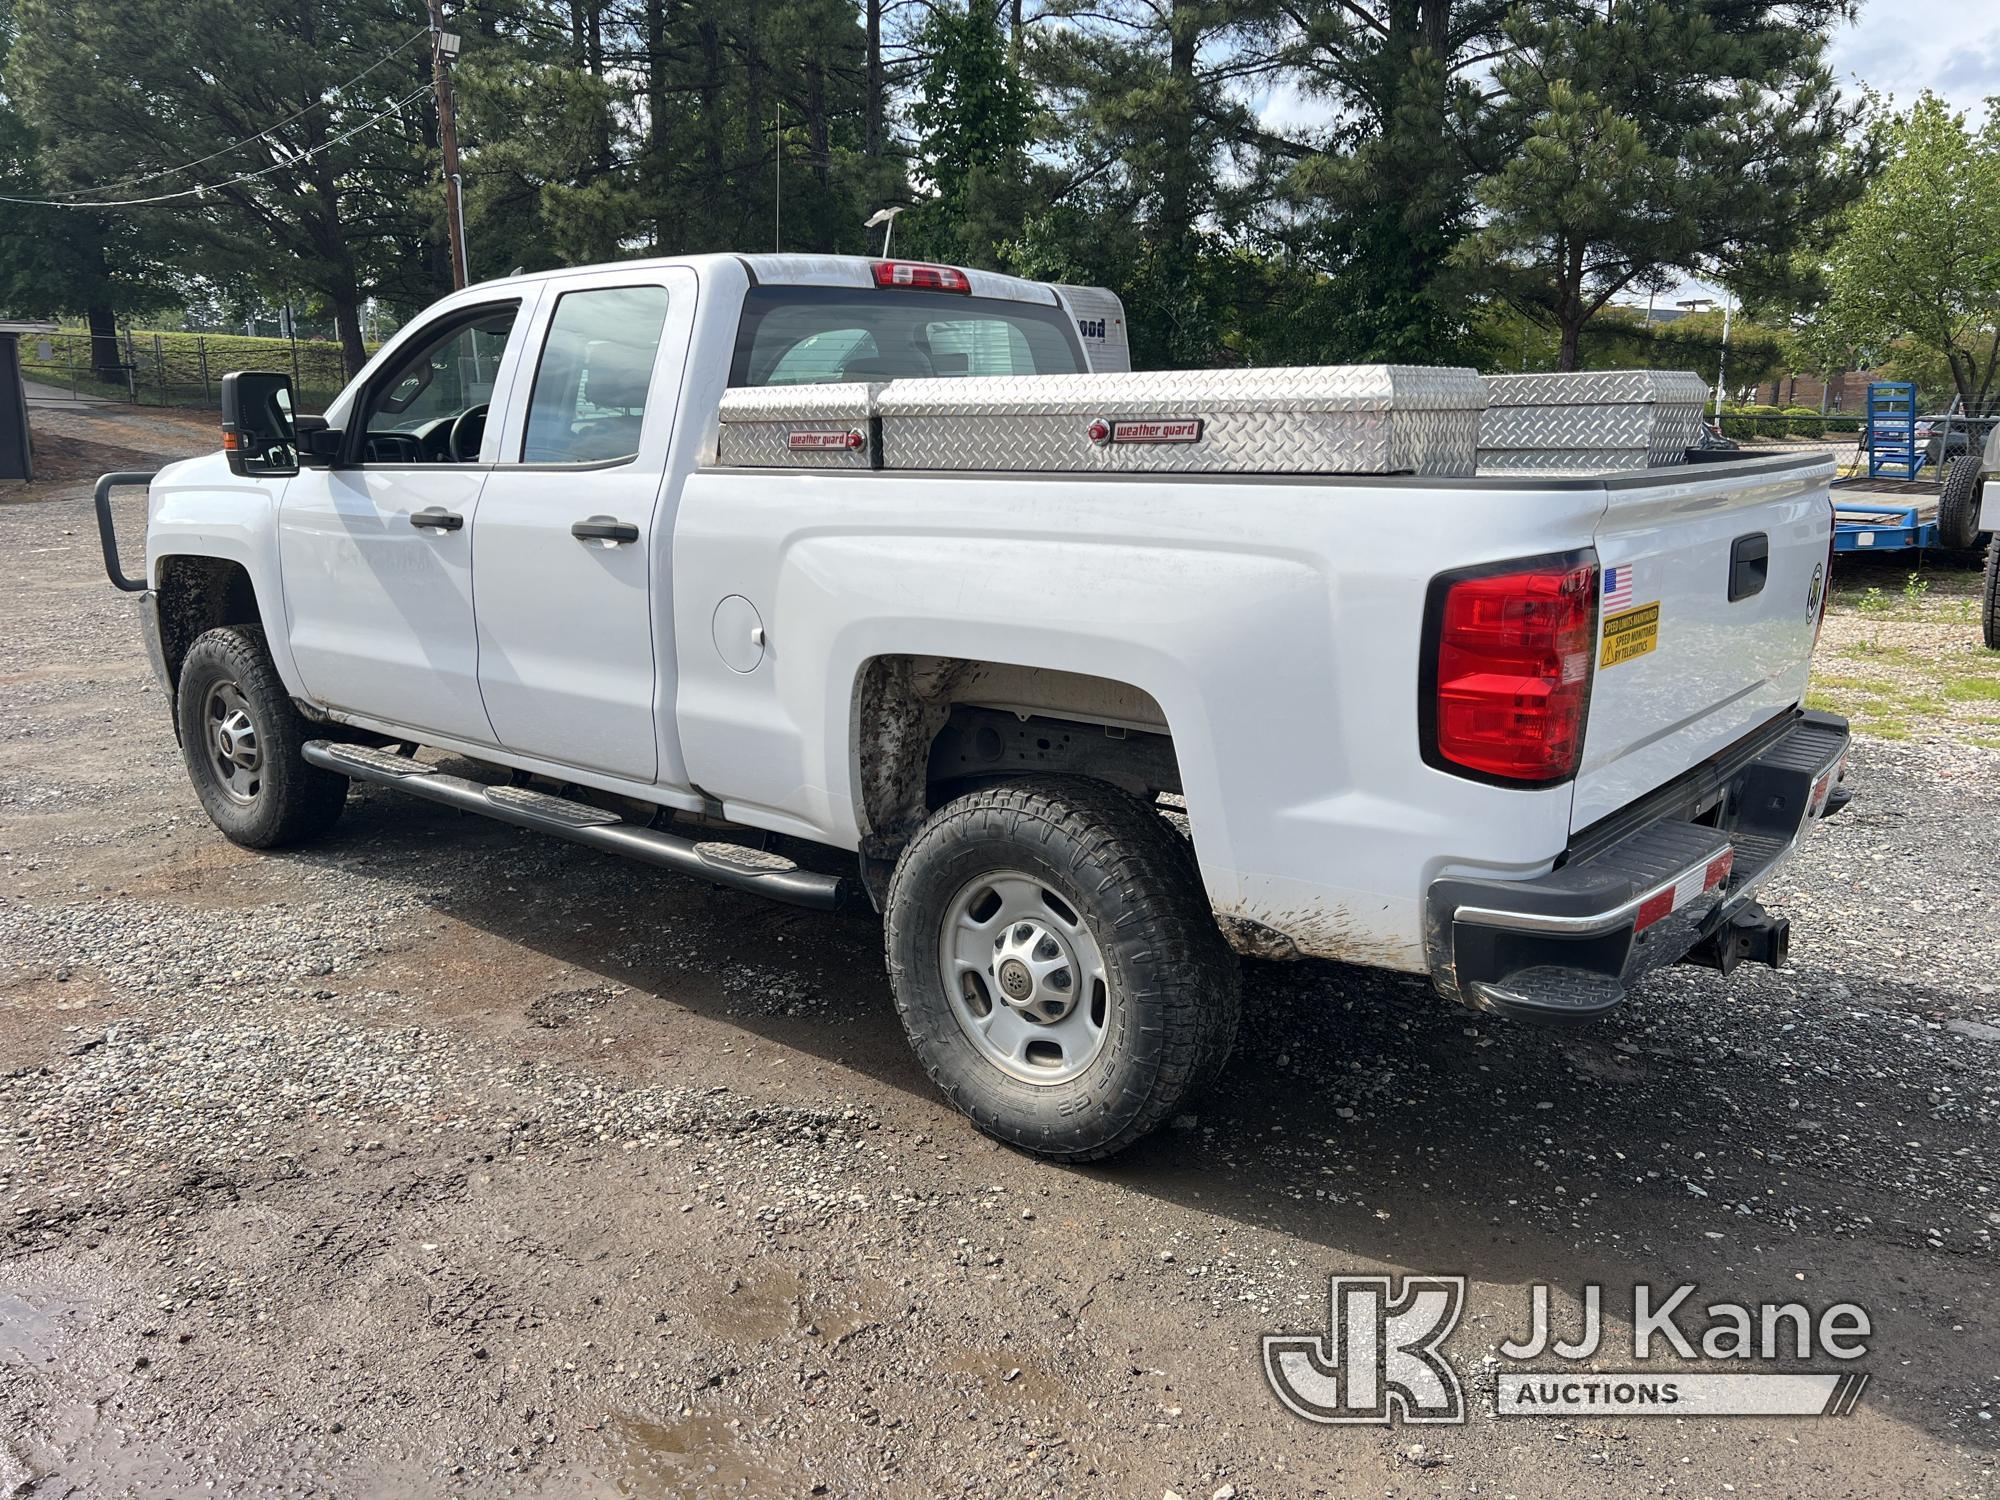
(1903, 47)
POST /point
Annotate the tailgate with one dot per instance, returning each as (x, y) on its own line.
(1684, 670)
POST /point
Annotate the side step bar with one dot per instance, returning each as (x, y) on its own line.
(724, 864)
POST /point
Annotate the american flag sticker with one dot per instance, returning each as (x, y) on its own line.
(1617, 587)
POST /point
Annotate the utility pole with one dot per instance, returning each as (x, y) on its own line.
(778, 204)
(444, 47)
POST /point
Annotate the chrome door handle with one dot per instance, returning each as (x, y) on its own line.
(436, 518)
(604, 529)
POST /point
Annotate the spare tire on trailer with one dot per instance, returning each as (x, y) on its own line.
(1958, 503)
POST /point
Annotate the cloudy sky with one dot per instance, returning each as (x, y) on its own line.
(1902, 47)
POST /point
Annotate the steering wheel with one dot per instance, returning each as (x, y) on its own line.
(466, 433)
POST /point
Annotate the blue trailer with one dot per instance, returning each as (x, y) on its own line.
(1884, 515)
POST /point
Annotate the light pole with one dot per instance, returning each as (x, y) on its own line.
(1722, 359)
(885, 220)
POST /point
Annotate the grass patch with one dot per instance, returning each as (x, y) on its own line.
(1974, 690)
(1881, 729)
(1874, 650)
(186, 369)
(1833, 682)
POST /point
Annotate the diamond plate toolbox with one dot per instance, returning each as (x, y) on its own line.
(1333, 419)
(798, 427)
(1589, 422)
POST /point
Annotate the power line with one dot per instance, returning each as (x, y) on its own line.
(234, 146)
(215, 187)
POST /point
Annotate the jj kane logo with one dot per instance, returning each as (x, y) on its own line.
(1381, 1359)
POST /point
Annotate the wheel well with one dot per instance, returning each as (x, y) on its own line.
(929, 728)
(197, 594)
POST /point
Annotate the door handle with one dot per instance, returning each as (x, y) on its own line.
(603, 529)
(1749, 565)
(436, 518)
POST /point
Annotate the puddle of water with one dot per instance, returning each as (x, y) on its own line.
(34, 1324)
(689, 1456)
(771, 1302)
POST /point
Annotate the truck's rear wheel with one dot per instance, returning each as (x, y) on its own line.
(240, 737)
(1056, 965)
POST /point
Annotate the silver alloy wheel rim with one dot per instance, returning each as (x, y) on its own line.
(1024, 977)
(233, 746)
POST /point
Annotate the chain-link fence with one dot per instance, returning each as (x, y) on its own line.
(177, 369)
(1937, 438)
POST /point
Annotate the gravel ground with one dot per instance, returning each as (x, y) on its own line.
(438, 1159)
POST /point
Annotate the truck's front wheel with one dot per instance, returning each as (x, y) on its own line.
(241, 737)
(1056, 965)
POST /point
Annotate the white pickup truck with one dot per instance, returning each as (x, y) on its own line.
(1088, 678)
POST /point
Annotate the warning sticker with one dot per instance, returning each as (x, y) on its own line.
(1633, 633)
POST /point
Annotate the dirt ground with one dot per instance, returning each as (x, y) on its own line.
(439, 1159)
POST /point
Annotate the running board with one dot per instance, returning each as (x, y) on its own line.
(725, 864)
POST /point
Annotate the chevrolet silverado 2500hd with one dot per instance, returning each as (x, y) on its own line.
(865, 554)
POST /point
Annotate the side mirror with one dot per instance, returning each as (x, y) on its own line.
(258, 433)
(319, 444)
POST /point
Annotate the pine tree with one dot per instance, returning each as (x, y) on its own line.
(1702, 137)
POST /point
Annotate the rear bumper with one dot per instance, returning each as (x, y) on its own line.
(1675, 886)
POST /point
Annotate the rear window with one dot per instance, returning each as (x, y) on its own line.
(793, 335)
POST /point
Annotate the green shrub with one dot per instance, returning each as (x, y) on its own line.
(1804, 422)
(1766, 422)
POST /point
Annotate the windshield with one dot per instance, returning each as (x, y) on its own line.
(812, 335)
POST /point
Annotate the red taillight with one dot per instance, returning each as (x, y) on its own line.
(916, 276)
(1513, 672)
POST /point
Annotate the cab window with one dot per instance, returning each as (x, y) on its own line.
(792, 335)
(431, 406)
(596, 369)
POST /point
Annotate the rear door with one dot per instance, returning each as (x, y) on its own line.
(1711, 588)
(569, 536)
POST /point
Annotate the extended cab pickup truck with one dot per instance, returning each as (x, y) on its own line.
(1085, 679)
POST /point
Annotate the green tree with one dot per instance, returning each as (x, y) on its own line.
(974, 116)
(1643, 138)
(70, 262)
(1918, 258)
(124, 90)
(1378, 203)
(1156, 133)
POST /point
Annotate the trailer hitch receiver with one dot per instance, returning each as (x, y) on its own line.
(1751, 933)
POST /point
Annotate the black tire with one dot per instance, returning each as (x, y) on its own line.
(279, 799)
(1989, 613)
(1958, 504)
(1171, 997)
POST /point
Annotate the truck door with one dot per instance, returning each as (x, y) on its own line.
(377, 551)
(569, 545)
